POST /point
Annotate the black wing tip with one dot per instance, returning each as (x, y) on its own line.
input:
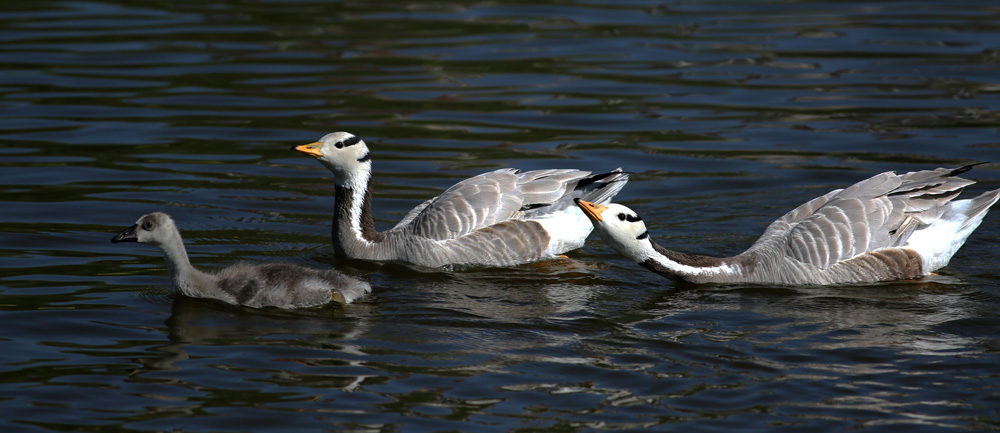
(531, 206)
(965, 168)
(618, 174)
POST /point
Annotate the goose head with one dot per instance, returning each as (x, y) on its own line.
(155, 228)
(345, 155)
(620, 227)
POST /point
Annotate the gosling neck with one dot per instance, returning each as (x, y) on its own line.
(188, 280)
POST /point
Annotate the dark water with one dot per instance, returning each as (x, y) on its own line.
(729, 113)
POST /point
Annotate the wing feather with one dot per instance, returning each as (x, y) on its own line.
(879, 212)
(488, 199)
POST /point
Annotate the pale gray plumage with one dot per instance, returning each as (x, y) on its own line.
(492, 198)
(500, 218)
(283, 285)
(883, 228)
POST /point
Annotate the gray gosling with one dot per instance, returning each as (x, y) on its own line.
(282, 285)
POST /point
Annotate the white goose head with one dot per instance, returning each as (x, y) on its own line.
(345, 155)
(621, 228)
(156, 228)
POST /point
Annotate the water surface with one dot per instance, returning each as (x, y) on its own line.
(728, 113)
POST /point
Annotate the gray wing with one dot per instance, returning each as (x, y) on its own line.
(487, 199)
(412, 214)
(879, 212)
(506, 243)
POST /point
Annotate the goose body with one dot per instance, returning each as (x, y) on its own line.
(500, 218)
(283, 285)
(887, 227)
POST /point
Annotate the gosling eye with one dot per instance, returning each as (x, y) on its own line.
(148, 225)
(621, 216)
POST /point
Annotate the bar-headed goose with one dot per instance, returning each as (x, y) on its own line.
(501, 218)
(283, 285)
(887, 227)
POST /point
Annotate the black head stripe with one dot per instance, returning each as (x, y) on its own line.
(632, 218)
(366, 157)
(644, 235)
(351, 141)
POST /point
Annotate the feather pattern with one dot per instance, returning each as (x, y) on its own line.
(491, 198)
(885, 227)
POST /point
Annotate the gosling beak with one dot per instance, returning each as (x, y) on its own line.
(126, 236)
(311, 149)
(592, 210)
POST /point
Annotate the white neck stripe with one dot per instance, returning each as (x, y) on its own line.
(682, 269)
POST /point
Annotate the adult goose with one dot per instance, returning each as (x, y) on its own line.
(283, 285)
(500, 218)
(887, 227)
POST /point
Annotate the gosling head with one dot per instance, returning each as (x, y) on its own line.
(154, 228)
(346, 155)
(620, 227)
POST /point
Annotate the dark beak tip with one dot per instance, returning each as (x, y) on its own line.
(119, 239)
(126, 236)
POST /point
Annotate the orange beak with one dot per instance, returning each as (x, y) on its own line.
(592, 210)
(311, 149)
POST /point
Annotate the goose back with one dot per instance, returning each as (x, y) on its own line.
(488, 199)
(879, 212)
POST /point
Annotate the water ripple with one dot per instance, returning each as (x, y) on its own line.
(728, 114)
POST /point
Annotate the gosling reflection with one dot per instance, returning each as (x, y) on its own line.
(278, 346)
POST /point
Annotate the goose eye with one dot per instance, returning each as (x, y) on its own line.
(621, 216)
(148, 225)
(339, 145)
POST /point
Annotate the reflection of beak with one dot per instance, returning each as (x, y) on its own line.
(126, 236)
(592, 210)
(311, 149)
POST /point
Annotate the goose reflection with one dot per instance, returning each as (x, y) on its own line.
(914, 317)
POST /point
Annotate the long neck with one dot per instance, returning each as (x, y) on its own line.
(354, 233)
(186, 278)
(693, 267)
